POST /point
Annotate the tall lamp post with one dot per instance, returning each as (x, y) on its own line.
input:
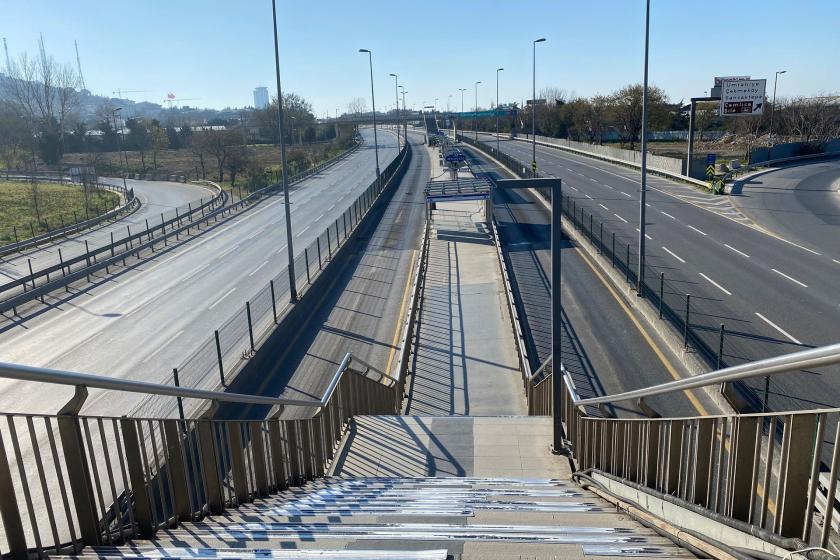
(462, 90)
(475, 127)
(643, 189)
(773, 108)
(119, 145)
(404, 114)
(373, 103)
(497, 108)
(534, 107)
(291, 252)
(397, 96)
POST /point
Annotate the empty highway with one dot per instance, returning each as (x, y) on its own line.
(775, 296)
(142, 323)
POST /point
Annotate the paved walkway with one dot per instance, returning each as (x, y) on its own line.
(465, 360)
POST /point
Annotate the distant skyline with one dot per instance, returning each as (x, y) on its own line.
(215, 53)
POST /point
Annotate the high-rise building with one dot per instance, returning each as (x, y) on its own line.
(260, 97)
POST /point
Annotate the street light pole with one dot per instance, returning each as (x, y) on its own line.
(287, 205)
(119, 146)
(462, 90)
(497, 108)
(373, 102)
(773, 108)
(475, 116)
(643, 189)
(534, 109)
(397, 96)
(404, 115)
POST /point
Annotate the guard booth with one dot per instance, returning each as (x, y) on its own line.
(442, 195)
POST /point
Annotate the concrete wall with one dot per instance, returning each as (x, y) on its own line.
(792, 149)
(671, 165)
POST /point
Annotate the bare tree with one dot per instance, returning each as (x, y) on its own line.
(159, 141)
(357, 105)
(238, 159)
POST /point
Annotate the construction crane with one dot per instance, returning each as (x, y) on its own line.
(120, 92)
(79, 65)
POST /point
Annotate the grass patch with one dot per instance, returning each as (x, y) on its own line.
(57, 203)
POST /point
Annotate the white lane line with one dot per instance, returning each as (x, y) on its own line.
(673, 254)
(226, 251)
(162, 346)
(789, 278)
(715, 284)
(318, 219)
(777, 327)
(218, 301)
(587, 196)
(648, 237)
(301, 231)
(620, 218)
(730, 247)
(593, 179)
(331, 207)
(647, 204)
(604, 207)
(700, 231)
(258, 268)
(835, 260)
(573, 188)
(667, 214)
(281, 249)
(625, 194)
(798, 246)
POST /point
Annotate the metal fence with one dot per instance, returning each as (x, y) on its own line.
(698, 320)
(220, 357)
(68, 481)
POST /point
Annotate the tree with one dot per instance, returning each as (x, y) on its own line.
(218, 144)
(159, 141)
(626, 111)
(138, 139)
(296, 110)
(238, 159)
(357, 106)
(15, 136)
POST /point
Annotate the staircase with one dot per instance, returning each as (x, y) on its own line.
(421, 517)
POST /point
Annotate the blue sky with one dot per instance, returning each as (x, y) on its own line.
(218, 51)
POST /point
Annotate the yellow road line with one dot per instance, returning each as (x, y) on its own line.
(402, 311)
(659, 354)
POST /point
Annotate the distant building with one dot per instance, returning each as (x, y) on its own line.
(260, 97)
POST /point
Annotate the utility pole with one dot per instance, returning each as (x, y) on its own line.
(534, 109)
(119, 145)
(475, 116)
(397, 96)
(291, 252)
(773, 108)
(462, 90)
(643, 189)
(373, 103)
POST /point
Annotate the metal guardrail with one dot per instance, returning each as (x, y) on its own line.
(130, 205)
(68, 481)
(219, 358)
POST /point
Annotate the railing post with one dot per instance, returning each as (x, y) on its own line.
(661, 292)
(279, 454)
(273, 300)
(180, 401)
(744, 458)
(259, 458)
(250, 324)
(219, 358)
(703, 470)
(794, 488)
(329, 243)
(720, 345)
(687, 317)
(613, 250)
(296, 473)
(627, 265)
(318, 244)
(306, 261)
(9, 511)
(177, 470)
(139, 489)
(210, 466)
(237, 460)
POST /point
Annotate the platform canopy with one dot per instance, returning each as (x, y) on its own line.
(457, 190)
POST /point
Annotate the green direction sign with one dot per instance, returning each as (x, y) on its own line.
(501, 112)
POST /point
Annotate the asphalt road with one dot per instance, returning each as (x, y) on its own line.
(800, 203)
(603, 347)
(141, 324)
(362, 310)
(774, 295)
(156, 197)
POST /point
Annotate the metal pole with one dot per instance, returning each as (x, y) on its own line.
(556, 315)
(178, 384)
(373, 103)
(497, 109)
(119, 145)
(773, 108)
(397, 96)
(292, 290)
(475, 116)
(643, 190)
(534, 109)
(691, 119)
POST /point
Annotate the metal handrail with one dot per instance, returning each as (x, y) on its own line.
(58, 377)
(540, 369)
(813, 357)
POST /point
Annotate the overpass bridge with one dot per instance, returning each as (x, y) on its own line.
(441, 442)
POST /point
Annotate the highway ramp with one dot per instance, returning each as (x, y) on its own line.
(142, 323)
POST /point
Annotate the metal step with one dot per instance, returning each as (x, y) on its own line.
(117, 553)
(414, 531)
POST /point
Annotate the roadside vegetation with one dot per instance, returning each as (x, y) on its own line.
(35, 208)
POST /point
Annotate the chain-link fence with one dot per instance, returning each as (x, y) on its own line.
(220, 357)
(706, 325)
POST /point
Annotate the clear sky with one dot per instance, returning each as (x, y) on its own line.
(218, 51)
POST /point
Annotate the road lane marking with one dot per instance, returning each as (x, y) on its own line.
(701, 232)
(792, 279)
(258, 268)
(318, 219)
(587, 196)
(798, 246)
(648, 237)
(162, 346)
(715, 284)
(604, 207)
(302, 231)
(835, 260)
(625, 194)
(667, 250)
(620, 218)
(398, 329)
(226, 251)
(777, 327)
(280, 250)
(743, 254)
(218, 301)
(659, 354)
(573, 188)
(667, 214)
